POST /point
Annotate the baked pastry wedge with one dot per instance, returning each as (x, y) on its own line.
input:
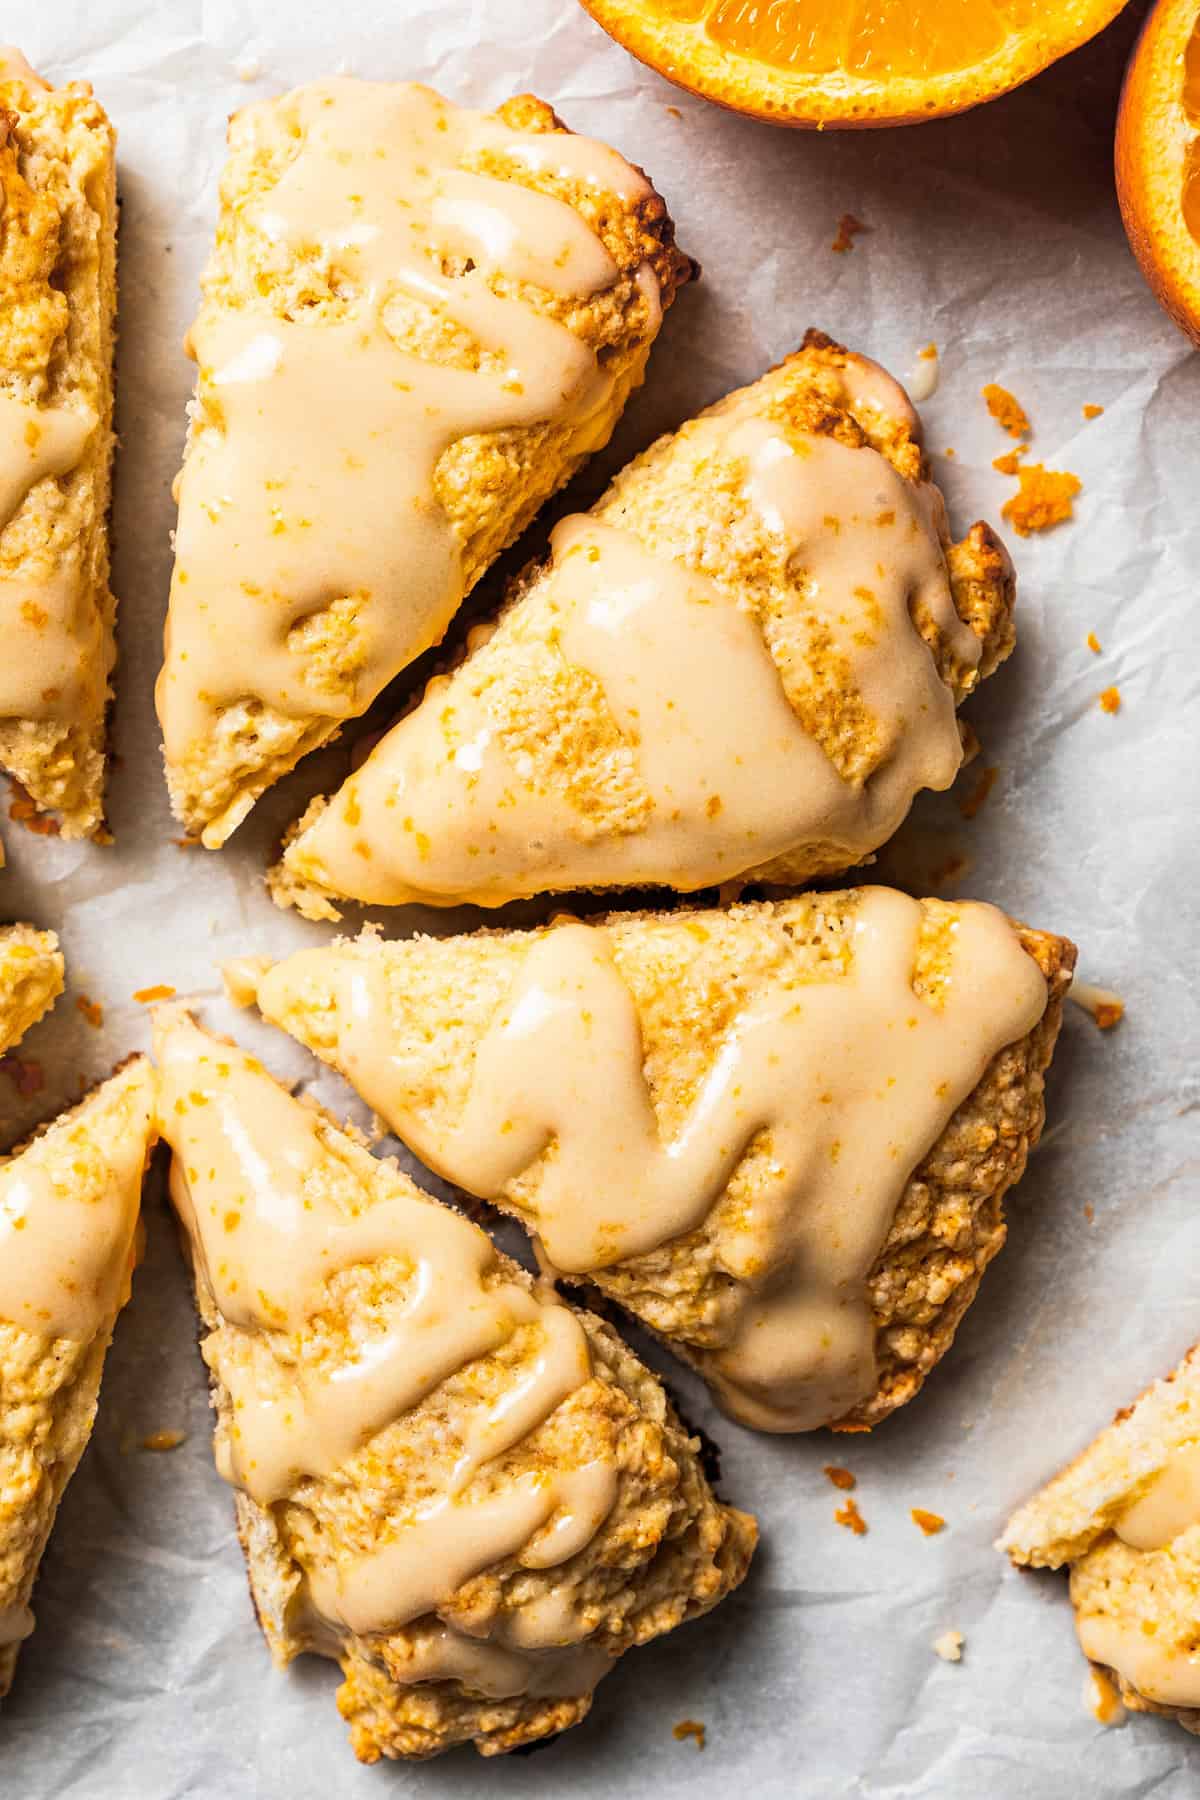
(779, 1134)
(1124, 1518)
(69, 1202)
(471, 1496)
(31, 979)
(417, 322)
(745, 660)
(58, 289)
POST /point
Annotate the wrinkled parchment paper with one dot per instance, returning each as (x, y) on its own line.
(996, 236)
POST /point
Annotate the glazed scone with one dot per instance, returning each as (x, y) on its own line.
(31, 979)
(779, 1134)
(58, 290)
(471, 1496)
(745, 660)
(69, 1203)
(417, 322)
(1124, 1517)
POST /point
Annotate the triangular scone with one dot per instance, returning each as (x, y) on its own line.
(779, 1134)
(69, 1204)
(31, 979)
(58, 290)
(1125, 1519)
(418, 321)
(746, 658)
(472, 1496)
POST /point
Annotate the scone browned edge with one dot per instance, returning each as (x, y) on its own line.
(950, 1221)
(58, 154)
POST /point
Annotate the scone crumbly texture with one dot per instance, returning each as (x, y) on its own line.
(49, 1385)
(58, 288)
(31, 979)
(668, 1550)
(691, 973)
(1072, 1522)
(553, 718)
(489, 484)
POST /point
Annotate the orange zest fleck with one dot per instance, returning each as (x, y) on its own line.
(841, 1478)
(1009, 463)
(146, 996)
(1110, 700)
(163, 1440)
(1093, 643)
(973, 802)
(848, 229)
(1092, 412)
(929, 1522)
(851, 1518)
(1044, 499)
(1007, 410)
(92, 1011)
(690, 1728)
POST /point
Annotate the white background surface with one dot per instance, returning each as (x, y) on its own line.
(997, 236)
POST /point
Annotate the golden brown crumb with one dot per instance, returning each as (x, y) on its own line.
(25, 812)
(1007, 410)
(971, 803)
(1104, 1699)
(1093, 643)
(841, 1478)
(929, 1522)
(848, 229)
(186, 843)
(1110, 700)
(1009, 463)
(1092, 412)
(25, 1074)
(1108, 1014)
(949, 1646)
(929, 353)
(674, 112)
(1105, 1008)
(690, 1728)
(147, 995)
(92, 1011)
(164, 1440)
(851, 1518)
(1044, 499)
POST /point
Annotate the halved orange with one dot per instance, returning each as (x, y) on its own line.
(826, 63)
(1158, 157)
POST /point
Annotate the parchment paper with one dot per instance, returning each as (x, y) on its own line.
(997, 237)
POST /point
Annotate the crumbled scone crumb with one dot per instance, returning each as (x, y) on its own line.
(848, 229)
(841, 1478)
(1110, 700)
(1102, 1699)
(851, 1518)
(1105, 1007)
(690, 1728)
(1093, 643)
(1007, 410)
(929, 353)
(1044, 499)
(949, 1646)
(1010, 462)
(164, 1440)
(929, 1522)
(24, 810)
(971, 803)
(1092, 412)
(92, 1011)
(147, 995)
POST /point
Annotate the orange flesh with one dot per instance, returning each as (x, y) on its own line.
(908, 38)
(1191, 107)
